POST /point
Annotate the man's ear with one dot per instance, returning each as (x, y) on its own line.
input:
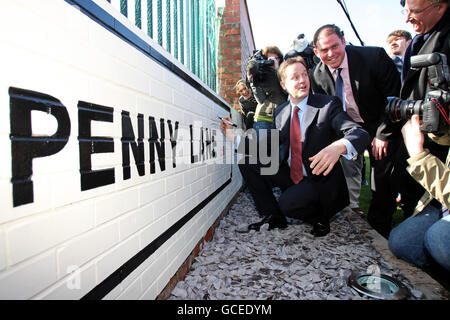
(283, 86)
(441, 8)
(316, 52)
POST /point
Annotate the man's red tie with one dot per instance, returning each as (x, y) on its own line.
(296, 148)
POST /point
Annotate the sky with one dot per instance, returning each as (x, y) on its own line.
(279, 22)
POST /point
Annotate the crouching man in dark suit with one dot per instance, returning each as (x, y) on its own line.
(314, 132)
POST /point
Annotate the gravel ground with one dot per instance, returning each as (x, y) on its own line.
(281, 264)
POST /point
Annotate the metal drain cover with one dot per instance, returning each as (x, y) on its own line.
(380, 286)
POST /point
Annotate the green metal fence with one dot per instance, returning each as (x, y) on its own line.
(188, 29)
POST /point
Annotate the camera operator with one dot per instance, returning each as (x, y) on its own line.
(301, 47)
(425, 236)
(431, 21)
(262, 75)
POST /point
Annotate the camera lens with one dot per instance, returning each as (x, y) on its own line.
(398, 110)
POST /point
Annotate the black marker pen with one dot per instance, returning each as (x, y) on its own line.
(229, 122)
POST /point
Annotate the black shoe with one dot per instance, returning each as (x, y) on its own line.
(277, 222)
(257, 225)
(274, 221)
(320, 229)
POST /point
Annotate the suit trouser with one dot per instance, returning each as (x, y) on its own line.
(300, 201)
(384, 193)
(352, 172)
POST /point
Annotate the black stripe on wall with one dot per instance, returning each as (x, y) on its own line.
(107, 285)
(100, 16)
(96, 13)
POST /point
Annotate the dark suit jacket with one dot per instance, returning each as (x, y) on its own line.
(373, 77)
(414, 85)
(324, 121)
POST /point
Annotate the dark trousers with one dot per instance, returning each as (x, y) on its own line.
(300, 201)
(384, 191)
(410, 190)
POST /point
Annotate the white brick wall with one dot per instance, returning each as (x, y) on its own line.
(3, 261)
(111, 260)
(86, 247)
(67, 241)
(73, 286)
(33, 235)
(28, 278)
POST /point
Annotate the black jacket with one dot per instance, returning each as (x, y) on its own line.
(414, 85)
(373, 77)
(324, 121)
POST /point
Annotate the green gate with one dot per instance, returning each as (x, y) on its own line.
(187, 29)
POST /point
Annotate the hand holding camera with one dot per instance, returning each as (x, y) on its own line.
(413, 136)
(434, 109)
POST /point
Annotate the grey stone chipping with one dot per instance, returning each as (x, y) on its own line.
(287, 264)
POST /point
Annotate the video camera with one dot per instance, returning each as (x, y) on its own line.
(259, 67)
(301, 47)
(433, 110)
(259, 58)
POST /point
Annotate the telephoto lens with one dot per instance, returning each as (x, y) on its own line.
(398, 110)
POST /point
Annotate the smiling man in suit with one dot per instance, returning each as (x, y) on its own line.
(314, 132)
(362, 77)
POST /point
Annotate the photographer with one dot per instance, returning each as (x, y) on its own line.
(431, 21)
(262, 75)
(427, 234)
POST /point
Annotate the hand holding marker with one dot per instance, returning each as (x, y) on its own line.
(226, 121)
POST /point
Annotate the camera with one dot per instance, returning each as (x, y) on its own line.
(258, 66)
(433, 110)
(301, 47)
(260, 60)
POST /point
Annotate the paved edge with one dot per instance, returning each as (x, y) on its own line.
(418, 278)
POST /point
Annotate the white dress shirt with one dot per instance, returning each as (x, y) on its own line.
(351, 151)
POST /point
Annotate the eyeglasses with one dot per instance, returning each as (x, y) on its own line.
(416, 12)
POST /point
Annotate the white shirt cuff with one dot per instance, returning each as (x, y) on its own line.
(236, 142)
(351, 151)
